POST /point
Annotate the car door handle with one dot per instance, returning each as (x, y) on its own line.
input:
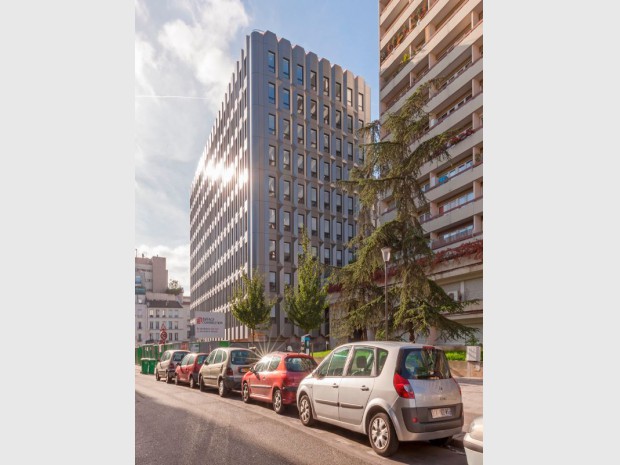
(364, 388)
(334, 385)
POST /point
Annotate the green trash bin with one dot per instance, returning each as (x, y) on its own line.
(145, 365)
(152, 364)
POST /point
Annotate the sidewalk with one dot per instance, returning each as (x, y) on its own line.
(471, 390)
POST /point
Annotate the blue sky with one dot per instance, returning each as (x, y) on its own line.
(185, 53)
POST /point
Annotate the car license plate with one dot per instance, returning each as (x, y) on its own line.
(441, 412)
(243, 370)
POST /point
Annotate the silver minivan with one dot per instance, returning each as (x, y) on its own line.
(224, 368)
(390, 391)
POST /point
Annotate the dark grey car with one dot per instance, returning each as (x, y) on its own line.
(224, 368)
(167, 363)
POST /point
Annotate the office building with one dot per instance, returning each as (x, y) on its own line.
(284, 135)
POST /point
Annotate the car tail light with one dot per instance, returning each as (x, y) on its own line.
(458, 386)
(229, 371)
(286, 381)
(403, 388)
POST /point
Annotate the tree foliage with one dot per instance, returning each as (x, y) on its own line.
(174, 288)
(391, 170)
(305, 304)
(248, 304)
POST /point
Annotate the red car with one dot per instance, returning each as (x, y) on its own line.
(187, 370)
(275, 378)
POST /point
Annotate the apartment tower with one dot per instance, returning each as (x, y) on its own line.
(422, 40)
(285, 133)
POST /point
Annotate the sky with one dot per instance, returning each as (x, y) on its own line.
(185, 53)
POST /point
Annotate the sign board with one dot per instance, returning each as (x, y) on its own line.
(209, 324)
(195, 347)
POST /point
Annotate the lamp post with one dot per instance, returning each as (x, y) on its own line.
(386, 251)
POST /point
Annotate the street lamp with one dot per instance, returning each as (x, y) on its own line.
(386, 251)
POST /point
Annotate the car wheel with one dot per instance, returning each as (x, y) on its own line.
(278, 405)
(305, 411)
(221, 389)
(382, 435)
(201, 384)
(168, 378)
(440, 441)
(192, 383)
(157, 377)
(245, 393)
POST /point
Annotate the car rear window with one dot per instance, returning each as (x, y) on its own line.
(242, 357)
(201, 359)
(178, 356)
(300, 364)
(424, 363)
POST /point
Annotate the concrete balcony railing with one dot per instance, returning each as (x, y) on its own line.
(460, 213)
(454, 150)
(438, 243)
(464, 178)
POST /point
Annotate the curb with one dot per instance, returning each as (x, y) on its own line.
(457, 440)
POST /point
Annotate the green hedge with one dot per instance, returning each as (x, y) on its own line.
(460, 355)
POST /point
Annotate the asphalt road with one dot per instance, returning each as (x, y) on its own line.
(177, 425)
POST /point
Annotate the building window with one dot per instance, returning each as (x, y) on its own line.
(287, 221)
(313, 138)
(350, 124)
(338, 257)
(300, 104)
(272, 250)
(286, 159)
(287, 251)
(349, 150)
(313, 197)
(151, 323)
(139, 325)
(139, 337)
(315, 251)
(271, 61)
(326, 86)
(326, 229)
(338, 147)
(272, 186)
(313, 80)
(286, 68)
(338, 173)
(338, 92)
(325, 142)
(300, 194)
(287, 190)
(338, 231)
(300, 223)
(300, 163)
(271, 94)
(313, 109)
(350, 231)
(287, 279)
(326, 256)
(286, 131)
(272, 218)
(272, 282)
(360, 101)
(313, 226)
(360, 124)
(326, 115)
(286, 99)
(300, 134)
(176, 336)
(313, 167)
(455, 203)
(272, 123)
(338, 203)
(272, 155)
(300, 74)
(338, 119)
(349, 96)
(325, 171)
(326, 201)
(350, 205)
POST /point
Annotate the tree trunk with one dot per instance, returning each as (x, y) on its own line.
(411, 334)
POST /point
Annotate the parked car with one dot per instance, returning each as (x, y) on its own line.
(275, 378)
(390, 391)
(167, 363)
(224, 368)
(187, 370)
(472, 442)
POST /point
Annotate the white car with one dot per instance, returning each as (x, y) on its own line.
(390, 391)
(472, 442)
